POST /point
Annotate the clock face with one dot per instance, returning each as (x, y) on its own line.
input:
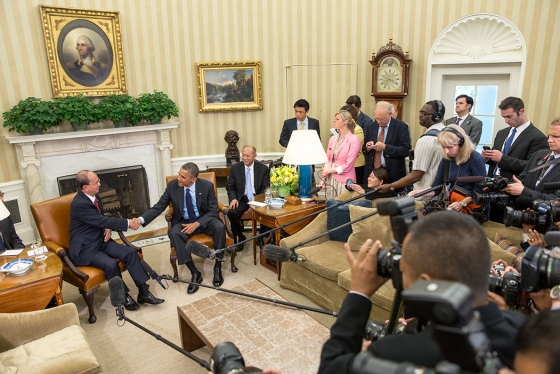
(389, 79)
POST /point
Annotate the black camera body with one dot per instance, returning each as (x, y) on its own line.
(226, 359)
(493, 193)
(509, 287)
(539, 270)
(545, 213)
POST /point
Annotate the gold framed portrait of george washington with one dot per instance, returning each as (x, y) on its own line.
(84, 51)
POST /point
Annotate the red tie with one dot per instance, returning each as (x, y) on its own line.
(96, 203)
(377, 157)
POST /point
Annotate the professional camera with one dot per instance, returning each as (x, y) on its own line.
(401, 210)
(539, 270)
(493, 193)
(545, 213)
(494, 184)
(226, 359)
(508, 287)
(375, 330)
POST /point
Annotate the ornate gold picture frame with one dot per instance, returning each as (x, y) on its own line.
(84, 51)
(229, 86)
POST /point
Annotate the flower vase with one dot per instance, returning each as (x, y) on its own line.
(283, 191)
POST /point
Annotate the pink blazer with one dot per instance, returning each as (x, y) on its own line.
(345, 158)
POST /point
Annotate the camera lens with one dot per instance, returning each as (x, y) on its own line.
(553, 272)
(495, 285)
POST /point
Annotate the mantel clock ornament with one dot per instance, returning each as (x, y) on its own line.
(390, 74)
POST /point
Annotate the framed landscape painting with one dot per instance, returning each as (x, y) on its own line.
(229, 86)
(84, 51)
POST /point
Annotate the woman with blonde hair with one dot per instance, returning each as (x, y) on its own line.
(342, 152)
(459, 153)
(360, 163)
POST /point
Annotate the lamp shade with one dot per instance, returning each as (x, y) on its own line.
(4, 212)
(304, 148)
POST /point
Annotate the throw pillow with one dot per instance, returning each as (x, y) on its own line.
(375, 227)
(339, 216)
(515, 250)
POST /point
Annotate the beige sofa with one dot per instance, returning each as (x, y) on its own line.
(45, 341)
(325, 276)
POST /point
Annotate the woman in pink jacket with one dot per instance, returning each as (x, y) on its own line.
(342, 152)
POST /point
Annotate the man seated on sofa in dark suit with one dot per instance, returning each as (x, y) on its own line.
(9, 239)
(91, 243)
(442, 245)
(195, 210)
(300, 122)
(241, 189)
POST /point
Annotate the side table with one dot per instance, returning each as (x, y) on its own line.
(34, 289)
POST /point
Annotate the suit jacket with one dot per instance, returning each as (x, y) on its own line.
(522, 149)
(397, 141)
(87, 228)
(236, 181)
(420, 349)
(291, 125)
(345, 158)
(206, 203)
(9, 236)
(471, 125)
(530, 192)
(365, 122)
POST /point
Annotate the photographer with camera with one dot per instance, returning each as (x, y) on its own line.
(442, 245)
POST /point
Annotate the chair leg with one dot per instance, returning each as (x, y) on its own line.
(88, 298)
(173, 261)
(233, 254)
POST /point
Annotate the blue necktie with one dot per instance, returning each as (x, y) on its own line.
(248, 184)
(190, 209)
(509, 141)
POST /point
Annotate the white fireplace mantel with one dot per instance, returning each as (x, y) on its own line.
(44, 158)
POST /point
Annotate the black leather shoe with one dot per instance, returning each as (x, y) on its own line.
(149, 299)
(130, 304)
(240, 247)
(218, 279)
(196, 278)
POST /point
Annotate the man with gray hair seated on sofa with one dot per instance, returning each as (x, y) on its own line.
(441, 245)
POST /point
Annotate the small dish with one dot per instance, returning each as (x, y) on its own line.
(17, 267)
(276, 203)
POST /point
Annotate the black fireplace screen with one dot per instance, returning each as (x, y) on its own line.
(124, 192)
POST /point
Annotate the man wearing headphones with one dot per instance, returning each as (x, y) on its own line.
(427, 153)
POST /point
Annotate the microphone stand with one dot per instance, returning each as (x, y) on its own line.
(199, 361)
(274, 301)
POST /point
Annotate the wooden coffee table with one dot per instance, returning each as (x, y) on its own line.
(34, 289)
(266, 334)
(277, 217)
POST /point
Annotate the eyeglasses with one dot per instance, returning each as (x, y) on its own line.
(94, 183)
(422, 113)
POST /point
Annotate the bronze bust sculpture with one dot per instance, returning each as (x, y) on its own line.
(232, 152)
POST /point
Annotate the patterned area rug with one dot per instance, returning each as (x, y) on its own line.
(151, 241)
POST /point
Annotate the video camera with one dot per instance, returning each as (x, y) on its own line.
(493, 193)
(457, 329)
(545, 213)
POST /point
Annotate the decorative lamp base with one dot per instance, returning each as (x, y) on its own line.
(305, 174)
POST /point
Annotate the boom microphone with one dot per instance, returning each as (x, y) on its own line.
(148, 269)
(471, 179)
(279, 254)
(116, 292)
(204, 251)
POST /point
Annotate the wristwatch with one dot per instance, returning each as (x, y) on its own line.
(463, 203)
(555, 292)
(391, 187)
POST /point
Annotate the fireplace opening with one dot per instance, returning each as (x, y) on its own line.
(124, 192)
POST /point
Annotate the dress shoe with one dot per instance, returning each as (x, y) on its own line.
(218, 279)
(240, 238)
(196, 278)
(149, 299)
(130, 304)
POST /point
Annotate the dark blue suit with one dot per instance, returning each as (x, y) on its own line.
(87, 248)
(291, 125)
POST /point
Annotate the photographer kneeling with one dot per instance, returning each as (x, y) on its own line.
(443, 245)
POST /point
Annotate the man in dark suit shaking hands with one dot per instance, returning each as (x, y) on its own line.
(246, 179)
(195, 210)
(463, 119)
(91, 243)
(300, 122)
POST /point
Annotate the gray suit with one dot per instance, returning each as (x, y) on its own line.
(471, 125)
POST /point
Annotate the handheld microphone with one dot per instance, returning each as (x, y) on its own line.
(116, 292)
(471, 179)
(279, 254)
(148, 269)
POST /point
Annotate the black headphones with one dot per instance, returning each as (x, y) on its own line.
(455, 132)
(437, 116)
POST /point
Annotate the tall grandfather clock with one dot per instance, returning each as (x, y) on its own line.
(390, 66)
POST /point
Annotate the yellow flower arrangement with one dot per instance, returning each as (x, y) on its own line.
(285, 175)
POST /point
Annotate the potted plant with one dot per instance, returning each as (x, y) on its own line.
(284, 178)
(78, 110)
(121, 109)
(156, 106)
(31, 115)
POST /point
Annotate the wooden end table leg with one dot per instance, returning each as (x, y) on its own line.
(58, 293)
(190, 341)
(254, 224)
(278, 263)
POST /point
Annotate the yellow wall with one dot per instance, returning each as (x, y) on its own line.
(163, 39)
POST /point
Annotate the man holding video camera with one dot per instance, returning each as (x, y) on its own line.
(442, 245)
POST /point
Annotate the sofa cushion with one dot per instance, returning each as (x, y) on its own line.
(382, 298)
(326, 259)
(65, 351)
(508, 246)
(375, 227)
(339, 216)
